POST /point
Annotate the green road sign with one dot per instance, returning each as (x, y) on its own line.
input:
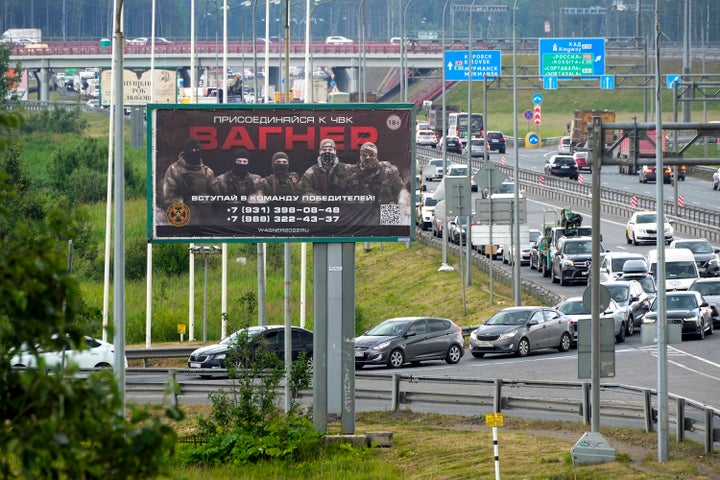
(568, 64)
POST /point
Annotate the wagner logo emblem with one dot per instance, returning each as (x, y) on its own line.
(178, 214)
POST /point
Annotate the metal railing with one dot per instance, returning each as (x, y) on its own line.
(621, 404)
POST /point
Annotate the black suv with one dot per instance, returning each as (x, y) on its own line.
(571, 260)
(451, 144)
(495, 141)
(706, 256)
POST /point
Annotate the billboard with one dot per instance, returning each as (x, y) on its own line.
(286, 172)
(137, 83)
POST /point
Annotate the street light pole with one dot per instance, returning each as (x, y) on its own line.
(444, 266)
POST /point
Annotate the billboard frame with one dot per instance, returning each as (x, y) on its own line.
(402, 158)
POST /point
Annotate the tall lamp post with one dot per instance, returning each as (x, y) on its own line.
(403, 54)
(444, 266)
(205, 251)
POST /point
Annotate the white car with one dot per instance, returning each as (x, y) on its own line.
(716, 179)
(95, 354)
(433, 170)
(642, 227)
(574, 307)
(426, 138)
(477, 147)
(337, 39)
(564, 146)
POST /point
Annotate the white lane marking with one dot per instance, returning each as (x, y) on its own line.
(672, 351)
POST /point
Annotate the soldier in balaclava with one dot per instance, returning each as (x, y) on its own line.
(282, 181)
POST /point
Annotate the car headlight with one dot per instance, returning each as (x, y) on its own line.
(713, 261)
(473, 335)
(508, 335)
(220, 356)
(381, 346)
(691, 318)
(568, 263)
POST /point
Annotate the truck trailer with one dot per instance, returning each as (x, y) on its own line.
(579, 127)
(637, 144)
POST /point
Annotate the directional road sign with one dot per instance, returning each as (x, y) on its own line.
(671, 80)
(537, 99)
(550, 82)
(533, 138)
(572, 57)
(485, 63)
(607, 82)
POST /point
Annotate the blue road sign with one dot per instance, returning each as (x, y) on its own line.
(572, 57)
(671, 80)
(528, 114)
(607, 82)
(485, 63)
(550, 82)
(533, 138)
(537, 99)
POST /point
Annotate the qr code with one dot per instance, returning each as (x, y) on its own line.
(389, 214)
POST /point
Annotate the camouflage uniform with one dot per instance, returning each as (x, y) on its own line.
(329, 176)
(384, 183)
(183, 179)
(281, 181)
(230, 183)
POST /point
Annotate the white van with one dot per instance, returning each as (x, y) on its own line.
(564, 146)
(680, 268)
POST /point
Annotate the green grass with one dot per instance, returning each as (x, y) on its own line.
(443, 447)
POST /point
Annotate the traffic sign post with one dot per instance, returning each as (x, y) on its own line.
(572, 57)
(532, 140)
(485, 63)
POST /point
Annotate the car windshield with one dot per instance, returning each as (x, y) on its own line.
(695, 247)
(506, 187)
(619, 293)
(681, 302)
(458, 172)
(574, 248)
(685, 269)
(618, 263)
(430, 202)
(574, 308)
(517, 317)
(388, 329)
(251, 333)
(647, 218)
(707, 288)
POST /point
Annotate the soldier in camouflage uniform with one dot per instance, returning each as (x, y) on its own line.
(187, 176)
(329, 176)
(373, 177)
(238, 180)
(282, 181)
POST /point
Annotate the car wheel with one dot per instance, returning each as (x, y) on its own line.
(553, 278)
(630, 327)
(634, 240)
(523, 348)
(563, 280)
(710, 327)
(620, 337)
(701, 335)
(502, 151)
(478, 354)
(565, 342)
(396, 359)
(309, 361)
(453, 354)
(359, 366)
(627, 237)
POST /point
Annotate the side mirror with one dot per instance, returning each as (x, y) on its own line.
(532, 322)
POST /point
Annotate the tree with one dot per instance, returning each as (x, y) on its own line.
(58, 425)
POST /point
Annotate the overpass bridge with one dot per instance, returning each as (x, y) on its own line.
(348, 61)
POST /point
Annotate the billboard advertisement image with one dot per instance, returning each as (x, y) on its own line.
(286, 172)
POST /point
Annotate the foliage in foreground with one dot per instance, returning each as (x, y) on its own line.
(246, 425)
(56, 424)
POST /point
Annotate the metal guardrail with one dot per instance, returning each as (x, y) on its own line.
(628, 405)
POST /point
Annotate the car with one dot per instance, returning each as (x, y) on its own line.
(611, 266)
(648, 173)
(426, 138)
(534, 235)
(460, 170)
(422, 126)
(438, 221)
(218, 356)
(508, 254)
(93, 103)
(642, 227)
(457, 228)
(520, 330)
(631, 295)
(709, 288)
(433, 170)
(399, 341)
(686, 308)
(575, 309)
(679, 265)
(93, 353)
(706, 256)
(337, 39)
(506, 189)
(451, 143)
(716, 179)
(564, 146)
(561, 166)
(571, 260)
(477, 148)
(581, 158)
(495, 141)
(682, 170)
(639, 270)
(425, 211)
(148, 41)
